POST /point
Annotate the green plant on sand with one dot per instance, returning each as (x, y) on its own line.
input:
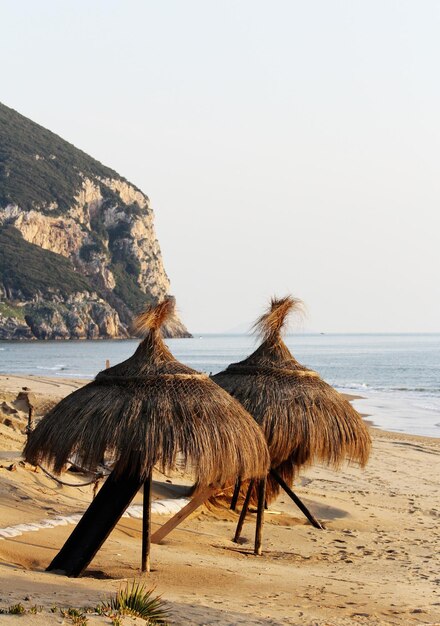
(138, 601)
(17, 609)
(76, 616)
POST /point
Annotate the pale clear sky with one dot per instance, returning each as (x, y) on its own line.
(286, 146)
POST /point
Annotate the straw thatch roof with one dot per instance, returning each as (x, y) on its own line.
(148, 410)
(303, 418)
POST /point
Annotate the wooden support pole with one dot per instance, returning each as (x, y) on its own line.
(243, 512)
(95, 525)
(178, 518)
(30, 424)
(95, 488)
(236, 494)
(30, 400)
(146, 525)
(107, 364)
(260, 516)
(312, 519)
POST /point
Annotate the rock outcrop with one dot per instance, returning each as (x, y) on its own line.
(78, 251)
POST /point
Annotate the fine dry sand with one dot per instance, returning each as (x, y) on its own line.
(377, 562)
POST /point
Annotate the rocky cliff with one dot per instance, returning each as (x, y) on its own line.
(78, 252)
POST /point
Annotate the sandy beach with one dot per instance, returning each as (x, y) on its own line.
(376, 563)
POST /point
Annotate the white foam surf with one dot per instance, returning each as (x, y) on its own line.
(160, 507)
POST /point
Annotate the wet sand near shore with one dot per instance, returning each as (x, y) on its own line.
(376, 563)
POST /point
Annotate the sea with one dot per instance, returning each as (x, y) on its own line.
(397, 376)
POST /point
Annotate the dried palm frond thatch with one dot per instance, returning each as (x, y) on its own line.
(303, 418)
(148, 410)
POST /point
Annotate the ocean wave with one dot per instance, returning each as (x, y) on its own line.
(434, 391)
(357, 386)
(63, 374)
(55, 368)
(429, 407)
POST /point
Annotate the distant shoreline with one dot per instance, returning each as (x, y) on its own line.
(34, 340)
(52, 388)
(196, 335)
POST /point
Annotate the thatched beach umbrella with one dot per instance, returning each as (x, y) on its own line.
(304, 420)
(144, 412)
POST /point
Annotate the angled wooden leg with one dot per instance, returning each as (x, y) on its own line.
(243, 512)
(260, 516)
(95, 525)
(236, 494)
(312, 519)
(178, 518)
(146, 525)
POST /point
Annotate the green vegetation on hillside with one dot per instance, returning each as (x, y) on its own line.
(9, 310)
(38, 168)
(128, 290)
(30, 269)
(42, 172)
